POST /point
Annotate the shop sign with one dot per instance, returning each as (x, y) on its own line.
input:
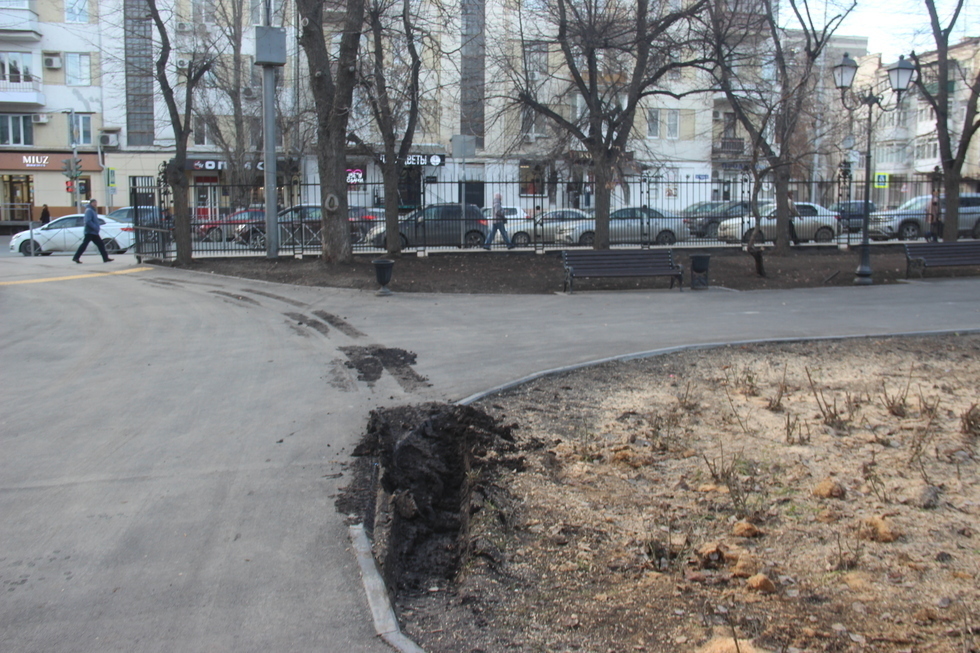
(51, 162)
(355, 176)
(36, 160)
(423, 159)
(213, 165)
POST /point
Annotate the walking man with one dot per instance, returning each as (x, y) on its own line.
(499, 220)
(91, 233)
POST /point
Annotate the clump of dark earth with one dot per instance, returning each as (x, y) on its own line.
(420, 473)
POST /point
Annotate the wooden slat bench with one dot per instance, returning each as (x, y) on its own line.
(919, 256)
(588, 263)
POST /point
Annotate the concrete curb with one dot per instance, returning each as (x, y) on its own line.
(385, 623)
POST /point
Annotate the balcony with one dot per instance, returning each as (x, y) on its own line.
(728, 148)
(21, 89)
(18, 21)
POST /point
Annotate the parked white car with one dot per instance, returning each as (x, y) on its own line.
(65, 234)
(815, 223)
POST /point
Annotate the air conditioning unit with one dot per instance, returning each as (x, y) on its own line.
(109, 140)
(185, 27)
(52, 62)
(716, 116)
(39, 118)
(249, 93)
(183, 63)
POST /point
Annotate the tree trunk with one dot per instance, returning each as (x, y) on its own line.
(333, 186)
(951, 208)
(781, 178)
(181, 212)
(391, 173)
(602, 175)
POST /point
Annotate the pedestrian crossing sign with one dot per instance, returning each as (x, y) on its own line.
(881, 180)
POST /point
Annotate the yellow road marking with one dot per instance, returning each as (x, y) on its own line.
(74, 276)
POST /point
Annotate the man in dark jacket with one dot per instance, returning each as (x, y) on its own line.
(91, 233)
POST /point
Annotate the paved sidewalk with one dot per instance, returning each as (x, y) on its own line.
(173, 441)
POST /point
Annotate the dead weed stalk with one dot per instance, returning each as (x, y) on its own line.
(869, 471)
(970, 421)
(776, 403)
(725, 471)
(897, 404)
(794, 430)
(831, 415)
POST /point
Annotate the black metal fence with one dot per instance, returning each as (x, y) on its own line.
(230, 221)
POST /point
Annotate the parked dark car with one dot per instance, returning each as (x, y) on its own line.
(437, 224)
(302, 225)
(851, 214)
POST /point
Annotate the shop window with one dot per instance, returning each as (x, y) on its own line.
(532, 176)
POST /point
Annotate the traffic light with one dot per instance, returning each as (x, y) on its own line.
(72, 168)
(66, 168)
(69, 186)
(78, 167)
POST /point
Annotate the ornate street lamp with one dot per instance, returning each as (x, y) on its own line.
(899, 76)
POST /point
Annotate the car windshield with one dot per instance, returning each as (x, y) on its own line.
(701, 207)
(915, 204)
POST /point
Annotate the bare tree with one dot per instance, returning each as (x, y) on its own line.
(768, 75)
(181, 110)
(612, 55)
(389, 83)
(332, 81)
(933, 79)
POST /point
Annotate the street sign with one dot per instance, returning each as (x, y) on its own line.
(881, 180)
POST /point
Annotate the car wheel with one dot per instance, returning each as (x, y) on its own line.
(909, 231)
(824, 235)
(521, 239)
(111, 246)
(213, 235)
(666, 237)
(587, 239)
(712, 231)
(256, 240)
(25, 248)
(748, 236)
(474, 239)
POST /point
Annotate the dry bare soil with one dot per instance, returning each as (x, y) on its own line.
(789, 497)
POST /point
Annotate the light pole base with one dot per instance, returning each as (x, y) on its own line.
(863, 276)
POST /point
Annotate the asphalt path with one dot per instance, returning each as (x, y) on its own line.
(173, 441)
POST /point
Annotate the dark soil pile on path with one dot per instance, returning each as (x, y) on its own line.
(527, 273)
(428, 462)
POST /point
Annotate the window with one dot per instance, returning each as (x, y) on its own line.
(536, 61)
(203, 11)
(202, 134)
(15, 67)
(653, 123)
(673, 123)
(533, 123)
(257, 12)
(78, 69)
(82, 129)
(76, 11)
(16, 130)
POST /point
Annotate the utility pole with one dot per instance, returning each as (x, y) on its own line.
(270, 53)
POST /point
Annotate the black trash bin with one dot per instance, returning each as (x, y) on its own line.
(699, 271)
(382, 271)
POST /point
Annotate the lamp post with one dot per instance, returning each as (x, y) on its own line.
(899, 76)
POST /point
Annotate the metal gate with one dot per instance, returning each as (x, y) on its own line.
(152, 215)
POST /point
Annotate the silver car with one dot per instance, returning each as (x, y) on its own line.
(542, 228)
(908, 222)
(634, 225)
(815, 223)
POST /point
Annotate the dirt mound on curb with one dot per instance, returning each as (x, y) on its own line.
(417, 481)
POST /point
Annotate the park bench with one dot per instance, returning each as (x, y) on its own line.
(620, 263)
(919, 256)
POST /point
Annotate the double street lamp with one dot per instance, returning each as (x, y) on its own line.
(900, 76)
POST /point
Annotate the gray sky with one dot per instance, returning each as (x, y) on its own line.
(896, 27)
